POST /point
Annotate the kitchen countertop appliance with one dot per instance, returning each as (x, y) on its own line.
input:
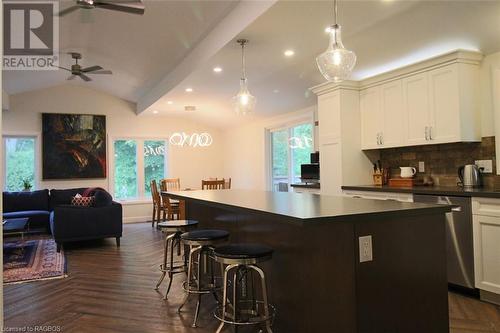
(470, 175)
(459, 246)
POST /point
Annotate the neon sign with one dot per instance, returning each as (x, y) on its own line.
(192, 140)
(300, 142)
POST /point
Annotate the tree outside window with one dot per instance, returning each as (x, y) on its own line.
(19, 163)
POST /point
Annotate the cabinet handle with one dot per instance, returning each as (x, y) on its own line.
(378, 138)
(426, 133)
(430, 132)
(381, 138)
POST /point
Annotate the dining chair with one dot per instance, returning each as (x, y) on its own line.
(171, 205)
(213, 184)
(158, 206)
(227, 185)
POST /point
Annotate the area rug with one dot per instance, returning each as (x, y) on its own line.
(31, 260)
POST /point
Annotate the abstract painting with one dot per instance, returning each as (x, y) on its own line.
(74, 146)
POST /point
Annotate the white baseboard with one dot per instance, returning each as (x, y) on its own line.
(135, 219)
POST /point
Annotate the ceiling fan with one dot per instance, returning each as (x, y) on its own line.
(127, 6)
(77, 70)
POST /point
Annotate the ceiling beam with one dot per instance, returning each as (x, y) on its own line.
(230, 26)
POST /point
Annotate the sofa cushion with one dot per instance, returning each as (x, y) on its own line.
(37, 218)
(21, 201)
(102, 198)
(63, 197)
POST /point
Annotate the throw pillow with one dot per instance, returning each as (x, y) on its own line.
(82, 201)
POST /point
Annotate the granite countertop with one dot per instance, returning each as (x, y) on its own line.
(487, 192)
(305, 207)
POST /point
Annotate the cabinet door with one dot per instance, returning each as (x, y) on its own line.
(329, 115)
(444, 105)
(486, 231)
(392, 110)
(371, 118)
(416, 108)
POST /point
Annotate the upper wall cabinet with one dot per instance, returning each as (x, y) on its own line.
(430, 105)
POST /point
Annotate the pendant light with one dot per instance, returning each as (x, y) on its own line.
(336, 63)
(244, 102)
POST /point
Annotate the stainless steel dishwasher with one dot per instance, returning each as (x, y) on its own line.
(459, 247)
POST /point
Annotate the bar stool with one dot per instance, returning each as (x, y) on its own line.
(243, 259)
(169, 266)
(201, 242)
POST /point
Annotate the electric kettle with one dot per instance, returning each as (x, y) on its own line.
(470, 175)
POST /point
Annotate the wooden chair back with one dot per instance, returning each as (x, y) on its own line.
(213, 184)
(155, 194)
(170, 184)
(227, 186)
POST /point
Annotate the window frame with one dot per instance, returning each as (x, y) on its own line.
(141, 191)
(288, 126)
(38, 150)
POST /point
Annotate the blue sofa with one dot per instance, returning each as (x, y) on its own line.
(67, 223)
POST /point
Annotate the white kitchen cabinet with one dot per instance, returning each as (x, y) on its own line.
(382, 116)
(371, 118)
(391, 102)
(416, 109)
(342, 161)
(423, 105)
(486, 230)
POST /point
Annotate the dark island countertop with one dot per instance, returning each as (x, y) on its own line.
(305, 207)
(487, 192)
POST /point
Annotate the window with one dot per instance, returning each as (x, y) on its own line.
(136, 163)
(19, 163)
(154, 163)
(125, 169)
(290, 148)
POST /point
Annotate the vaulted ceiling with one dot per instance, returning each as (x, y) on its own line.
(175, 45)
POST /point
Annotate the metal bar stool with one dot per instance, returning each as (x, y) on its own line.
(169, 266)
(244, 309)
(201, 277)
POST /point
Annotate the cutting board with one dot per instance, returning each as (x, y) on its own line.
(404, 182)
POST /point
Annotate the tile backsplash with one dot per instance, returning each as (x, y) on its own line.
(442, 161)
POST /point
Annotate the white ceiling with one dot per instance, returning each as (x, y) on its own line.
(385, 34)
(138, 49)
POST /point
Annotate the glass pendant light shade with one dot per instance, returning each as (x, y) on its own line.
(336, 63)
(244, 102)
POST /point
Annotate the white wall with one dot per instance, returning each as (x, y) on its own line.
(190, 164)
(246, 149)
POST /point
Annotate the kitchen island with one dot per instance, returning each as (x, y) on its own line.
(316, 279)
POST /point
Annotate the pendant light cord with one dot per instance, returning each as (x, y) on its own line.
(335, 11)
(243, 74)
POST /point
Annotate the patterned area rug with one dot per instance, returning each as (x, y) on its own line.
(35, 259)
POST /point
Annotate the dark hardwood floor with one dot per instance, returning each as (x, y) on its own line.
(110, 289)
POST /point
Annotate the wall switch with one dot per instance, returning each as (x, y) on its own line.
(421, 166)
(487, 165)
(365, 249)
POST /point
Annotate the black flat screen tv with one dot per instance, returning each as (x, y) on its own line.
(309, 171)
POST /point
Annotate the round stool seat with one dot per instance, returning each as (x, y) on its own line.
(205, 235)
(243, 251)
(177, 223)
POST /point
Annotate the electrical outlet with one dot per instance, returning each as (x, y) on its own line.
(487, 165)
(421, 166)
(365, 249)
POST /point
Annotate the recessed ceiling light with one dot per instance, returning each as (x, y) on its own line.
(289, 53)
(328, 30)
(155, 111)
(276, 91)
(170, 102)
(217, 69)
(189, 89)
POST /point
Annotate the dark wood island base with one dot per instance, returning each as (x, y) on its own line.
(316, 279)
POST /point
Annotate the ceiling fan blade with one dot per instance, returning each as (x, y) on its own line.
(105, 71)
(91, 69)
(66, 69)
(84, 77)
(71, 77)
(68, 10)
(127, 6)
